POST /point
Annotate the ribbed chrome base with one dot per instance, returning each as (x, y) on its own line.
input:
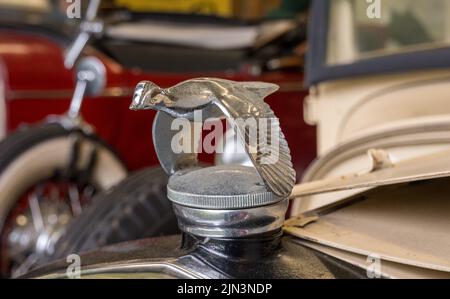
(231, 223)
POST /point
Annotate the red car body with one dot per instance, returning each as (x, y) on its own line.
(38, 85)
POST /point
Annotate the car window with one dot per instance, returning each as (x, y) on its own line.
(354, 33)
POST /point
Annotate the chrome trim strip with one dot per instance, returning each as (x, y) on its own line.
(168, 267)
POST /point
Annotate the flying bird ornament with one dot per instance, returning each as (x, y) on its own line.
(239, 102)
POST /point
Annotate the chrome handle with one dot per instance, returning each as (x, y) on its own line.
(89, 27)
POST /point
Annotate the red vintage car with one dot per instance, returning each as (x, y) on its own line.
(35, 84)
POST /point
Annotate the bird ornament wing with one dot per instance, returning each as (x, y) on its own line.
(259, 130)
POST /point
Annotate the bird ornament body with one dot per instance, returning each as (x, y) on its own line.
(239, 102)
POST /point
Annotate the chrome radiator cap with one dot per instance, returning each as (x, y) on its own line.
(220, 187)
(224, 201)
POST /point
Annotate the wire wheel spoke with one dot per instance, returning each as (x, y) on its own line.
(35, 224)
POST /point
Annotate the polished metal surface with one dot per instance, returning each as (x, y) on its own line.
(91, 80)
(88, 27)
(233, 151)
(231, 223)
(238, 102)
(162, 139)
(134, 270)
(220, 187)
(34, 231)
(93, 71)
(225, 201)
(208, 258)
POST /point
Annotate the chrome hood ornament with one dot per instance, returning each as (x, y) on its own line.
(238, 102)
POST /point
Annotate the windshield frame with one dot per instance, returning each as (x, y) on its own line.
(318, 71)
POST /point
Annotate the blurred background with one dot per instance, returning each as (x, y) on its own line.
(162, 41)
(68, 70)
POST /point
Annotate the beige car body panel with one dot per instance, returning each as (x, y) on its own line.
(404, 226)
(408, 115)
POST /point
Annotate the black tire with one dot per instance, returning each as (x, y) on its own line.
(134, 209)
(34, 154)
(25, 138)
